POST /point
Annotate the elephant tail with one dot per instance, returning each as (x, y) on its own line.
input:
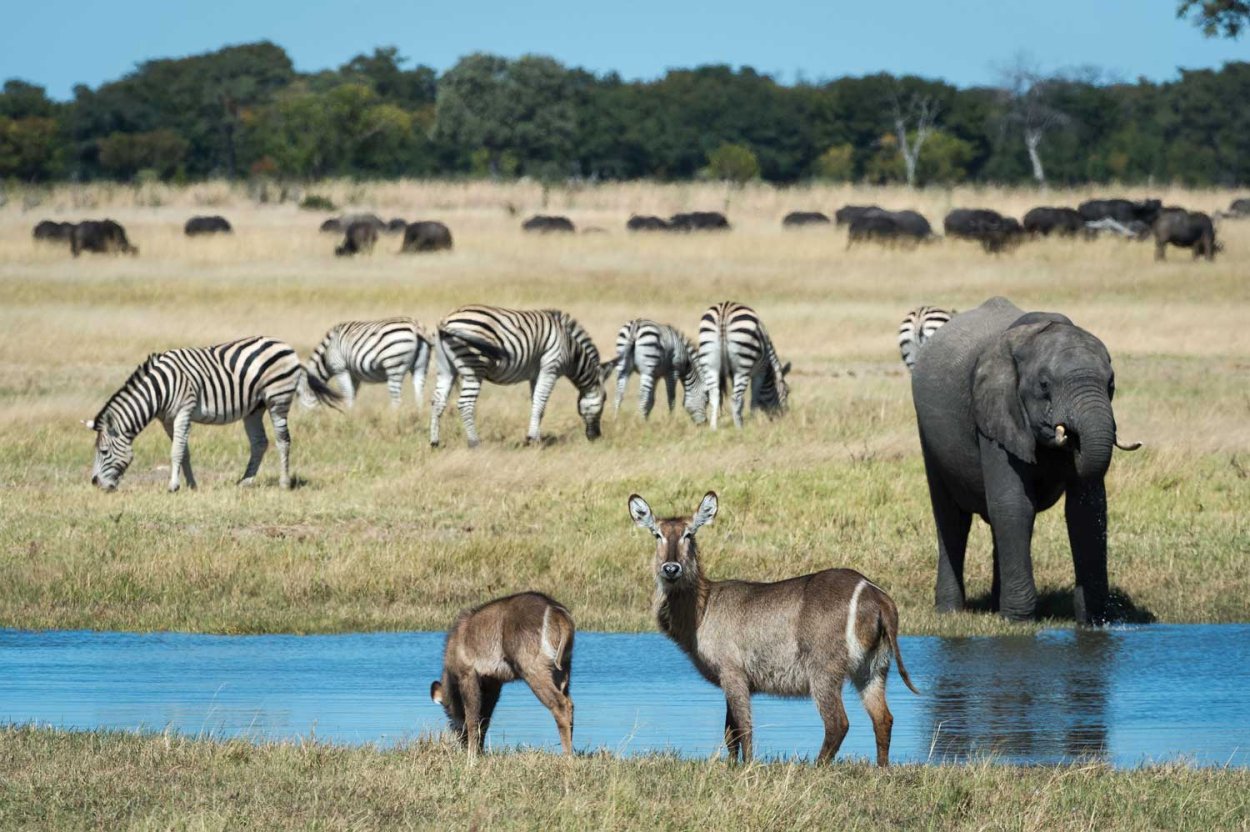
(889, 625)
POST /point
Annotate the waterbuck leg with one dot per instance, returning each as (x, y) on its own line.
(737, 717)
(873, 697)
(828, 696)
(491, 689)
(471, 694)
(547, 689)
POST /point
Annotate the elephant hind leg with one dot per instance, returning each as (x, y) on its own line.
(953, 525)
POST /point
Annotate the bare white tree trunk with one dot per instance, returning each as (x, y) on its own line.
(925, 110)
(1033, 138)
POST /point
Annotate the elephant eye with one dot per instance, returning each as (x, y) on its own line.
(1044, 386)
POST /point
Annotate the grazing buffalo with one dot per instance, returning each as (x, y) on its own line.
(889, 227)
(1239, 207)
(398, 225)
(334, 225)
(100, 237)
(427, 235)
(848, 213)
(991, 229)
(699, 221)
(1062, 222)
(1184, 229)
(207, 225)
(544, 224)
(799, 219)
(1121, 210)
(646, 223)
(359, 238)
(50, 231)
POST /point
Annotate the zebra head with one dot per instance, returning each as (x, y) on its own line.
(590, 405)
(113, 452)
(696, 400)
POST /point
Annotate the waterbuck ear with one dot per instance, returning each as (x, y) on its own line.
(641, 512)
(707, 510)
(996, 398)
(436, 692)
(89, 424)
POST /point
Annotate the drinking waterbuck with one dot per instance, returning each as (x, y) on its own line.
(799, 637)
(508, 346)
(373, 351)
(657, 351)
(527, 636)
(211, 385)
(917, 328)
(734, 351)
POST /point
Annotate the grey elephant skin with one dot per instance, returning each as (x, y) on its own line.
(1014, 412)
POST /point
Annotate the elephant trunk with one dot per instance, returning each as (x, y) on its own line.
(1093, 423)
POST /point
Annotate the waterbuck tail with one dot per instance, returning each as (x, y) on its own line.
(889, 623)
(556, 634)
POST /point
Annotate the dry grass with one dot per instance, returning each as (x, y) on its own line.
(57, 780)
(386, 533)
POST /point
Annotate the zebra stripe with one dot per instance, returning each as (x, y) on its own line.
(373, 351)
(917, 328)
(508, 346)
(734, 350)
(658, 351)
(210, 385)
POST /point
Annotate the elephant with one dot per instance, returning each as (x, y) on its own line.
(1014, 411)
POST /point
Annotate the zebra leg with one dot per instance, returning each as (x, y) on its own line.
(419, 368)
(442, 392)
(395, 386)
(740, 395)
(470, 386)
(178, 429)
(348, 385)
(670, 387)
(710, 371)
(622, 379)
(254, 424)
(542, 387)
(646, 394)
(277, 415)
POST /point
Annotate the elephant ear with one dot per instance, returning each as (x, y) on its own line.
(996, 400)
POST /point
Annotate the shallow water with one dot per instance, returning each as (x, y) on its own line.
(1126, 696)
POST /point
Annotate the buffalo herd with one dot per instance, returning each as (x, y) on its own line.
(996, 233)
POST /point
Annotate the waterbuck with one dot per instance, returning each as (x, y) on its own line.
(524, 636)
(799, 637)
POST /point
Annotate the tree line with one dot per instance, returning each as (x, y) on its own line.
(243, 111)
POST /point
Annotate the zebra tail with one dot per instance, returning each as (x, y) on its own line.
(485, 347)
(313, 391)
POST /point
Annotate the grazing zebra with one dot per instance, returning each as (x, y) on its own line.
(734, 350)
(918, 327)
(658, 351)
(373, 351)
(507, 346)
(209, 385)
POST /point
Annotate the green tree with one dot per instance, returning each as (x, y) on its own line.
(1216, 17)
(836, 164)
(733, 163)
(29, 148)
(124, 155)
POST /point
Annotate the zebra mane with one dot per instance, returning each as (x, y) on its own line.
(139, 372)
(581, 341)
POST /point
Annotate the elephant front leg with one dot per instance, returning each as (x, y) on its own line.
(1085, 509)
(1012, 509)
(953, 524)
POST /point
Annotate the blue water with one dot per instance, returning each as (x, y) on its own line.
(1125, 696)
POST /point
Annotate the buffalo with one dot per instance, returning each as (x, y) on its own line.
(889, 227)
(799, 219)
(359, 238)
(334, 225)
(544, 224)
(991, 229)
(1239, 207)
(100, 237)
(699, 221)
(1184, 229)
(398, 225)
(427, 235)
(50, 231)
(646, 223)
(207, 225)
(1121, 210)
(1062, 222)
(848, 213)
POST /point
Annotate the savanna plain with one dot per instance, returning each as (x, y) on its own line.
(383, 532)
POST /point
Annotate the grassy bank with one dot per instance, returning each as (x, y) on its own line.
(385, 533)
(60, 780)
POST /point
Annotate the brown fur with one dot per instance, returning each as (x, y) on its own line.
(499, 642)
(789, 638)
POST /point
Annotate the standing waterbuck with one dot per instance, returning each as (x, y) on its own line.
(524, 636)
(799, 637)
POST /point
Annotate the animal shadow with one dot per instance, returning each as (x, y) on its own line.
(1057, 603)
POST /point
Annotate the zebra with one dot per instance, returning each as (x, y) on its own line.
(917, 328)
(658, 351)
(734, 349)
(507, 346)
(210, 385)
(373, 351)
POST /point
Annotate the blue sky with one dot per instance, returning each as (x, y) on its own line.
(58, 44)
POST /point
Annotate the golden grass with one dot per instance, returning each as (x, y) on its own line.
(386, 533)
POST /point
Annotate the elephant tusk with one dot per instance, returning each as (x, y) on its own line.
(1132, 446)
(1061, 435)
